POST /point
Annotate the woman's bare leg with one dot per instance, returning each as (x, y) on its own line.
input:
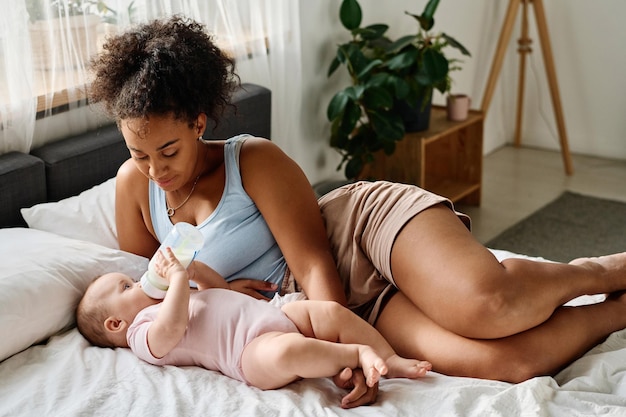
(460, 285)
(543, 350)
(329, 321)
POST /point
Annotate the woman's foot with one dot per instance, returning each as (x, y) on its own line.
(609, 265)
(400, 367)
(616, 261)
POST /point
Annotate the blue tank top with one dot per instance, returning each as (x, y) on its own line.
(237, 241)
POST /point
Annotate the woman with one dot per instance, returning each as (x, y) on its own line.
(397, 255)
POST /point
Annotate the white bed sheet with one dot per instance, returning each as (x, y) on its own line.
(67, 377)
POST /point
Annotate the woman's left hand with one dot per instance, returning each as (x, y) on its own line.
(252, 287)
(360, 394)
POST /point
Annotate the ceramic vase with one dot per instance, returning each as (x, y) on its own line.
(458, 106)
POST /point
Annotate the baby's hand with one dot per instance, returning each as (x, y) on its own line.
(168, 266)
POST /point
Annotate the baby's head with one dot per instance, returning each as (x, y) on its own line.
(108, 308)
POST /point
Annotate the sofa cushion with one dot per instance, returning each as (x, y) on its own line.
(22, 184)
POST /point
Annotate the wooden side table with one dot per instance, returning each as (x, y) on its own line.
(445, 159)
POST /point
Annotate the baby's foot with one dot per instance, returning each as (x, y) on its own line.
(372, 364)
(400, 367)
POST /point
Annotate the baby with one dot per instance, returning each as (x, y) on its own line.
(223, 330)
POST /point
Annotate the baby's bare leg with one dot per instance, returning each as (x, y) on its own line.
(275, 359)
(330, 321)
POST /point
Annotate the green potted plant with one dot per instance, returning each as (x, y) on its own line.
(387, 78)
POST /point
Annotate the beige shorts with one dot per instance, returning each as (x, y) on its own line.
(362, 222)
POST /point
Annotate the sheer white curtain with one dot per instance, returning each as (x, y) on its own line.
(17, 102)
(45, 47)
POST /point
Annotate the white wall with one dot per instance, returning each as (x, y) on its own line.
(588, 41)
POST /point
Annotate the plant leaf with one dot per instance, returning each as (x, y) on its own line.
(350, 14)
(355, 92)
(351, 116)
(403, 60)
(368, 68)
(401, 87)
(354, 167)
(424, 22)
(337, 105)
(371, 32)
(333, 66)
(387, 125)
(426, 19)
(337, 137)
(434, 68)
(377, 80)
(343, 52)
(455, 44)
(401, 43)
(354, 59)
(429, 10)
(377, 98)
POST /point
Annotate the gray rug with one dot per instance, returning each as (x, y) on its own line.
(571, 226)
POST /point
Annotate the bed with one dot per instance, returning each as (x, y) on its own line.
(58, 233)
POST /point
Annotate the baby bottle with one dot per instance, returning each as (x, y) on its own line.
(185, 241)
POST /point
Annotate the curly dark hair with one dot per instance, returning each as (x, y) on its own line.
(169, 66)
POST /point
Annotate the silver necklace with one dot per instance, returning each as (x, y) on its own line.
(170, 210)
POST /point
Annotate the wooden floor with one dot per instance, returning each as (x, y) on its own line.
(518, 181)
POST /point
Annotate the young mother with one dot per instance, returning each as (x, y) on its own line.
(397, 255)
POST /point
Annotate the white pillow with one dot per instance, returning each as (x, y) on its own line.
(43, 276)
(88, 216)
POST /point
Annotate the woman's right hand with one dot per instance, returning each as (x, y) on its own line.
(252, 287)
(360, 393)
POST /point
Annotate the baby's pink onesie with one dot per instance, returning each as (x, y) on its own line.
(221, 324)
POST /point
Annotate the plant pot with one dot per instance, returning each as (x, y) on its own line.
(458, 106)
(416, 119)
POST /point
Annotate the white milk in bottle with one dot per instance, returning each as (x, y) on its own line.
(185, 241)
